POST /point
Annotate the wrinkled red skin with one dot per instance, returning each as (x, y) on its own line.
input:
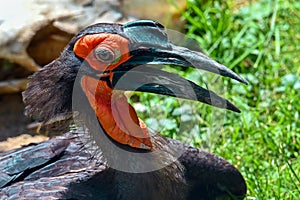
(85, 46)
(116, 116)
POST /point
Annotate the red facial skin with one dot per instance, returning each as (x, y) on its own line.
(116, 116)
(85, 46)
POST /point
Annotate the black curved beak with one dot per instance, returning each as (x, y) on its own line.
(182, 57)
(150, 45)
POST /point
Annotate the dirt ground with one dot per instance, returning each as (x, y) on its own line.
(21, 140)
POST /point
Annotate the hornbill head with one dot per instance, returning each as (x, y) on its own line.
(105, 58)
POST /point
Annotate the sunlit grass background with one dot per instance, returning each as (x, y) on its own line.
(260, 40)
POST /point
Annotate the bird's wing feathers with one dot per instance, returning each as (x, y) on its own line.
(23, 161)
(61, 168)
(210, 175)
(47, 168)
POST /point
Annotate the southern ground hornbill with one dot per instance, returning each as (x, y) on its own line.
(113, 155)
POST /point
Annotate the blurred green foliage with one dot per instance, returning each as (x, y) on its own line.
(261, 42)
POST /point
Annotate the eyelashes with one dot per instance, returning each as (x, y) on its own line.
(107, 55)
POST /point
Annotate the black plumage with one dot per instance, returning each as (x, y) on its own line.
(80, 164)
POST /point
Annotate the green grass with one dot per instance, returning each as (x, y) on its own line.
(261, 42)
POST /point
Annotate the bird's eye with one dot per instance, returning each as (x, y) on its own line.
(104, 54)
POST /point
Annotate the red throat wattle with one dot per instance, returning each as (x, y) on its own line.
(116, 116)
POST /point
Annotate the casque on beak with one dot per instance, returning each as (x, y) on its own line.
(150, 45)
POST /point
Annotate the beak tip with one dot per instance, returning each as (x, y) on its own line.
(243, 81)
(236, 110)
(236, 77)
(232, 107)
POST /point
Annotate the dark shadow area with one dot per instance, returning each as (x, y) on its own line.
(12, 120)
